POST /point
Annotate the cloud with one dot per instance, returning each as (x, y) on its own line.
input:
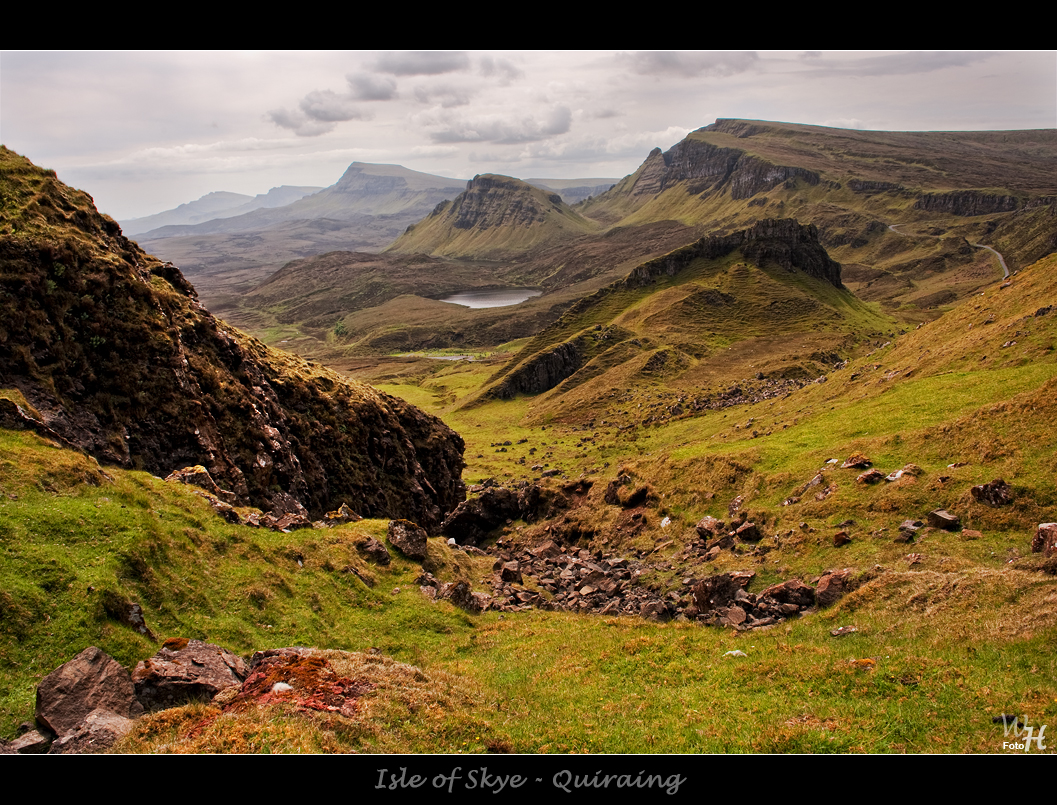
(371, 88)
(421, 62)
(897, 63)
(504, 68)
(497, 130)
(447, 96)
(325, 106)
(321, 110)
(299, 123)
(690, 65)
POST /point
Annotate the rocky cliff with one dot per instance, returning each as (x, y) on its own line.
(113, 349)
(494, 216)
(706, 167)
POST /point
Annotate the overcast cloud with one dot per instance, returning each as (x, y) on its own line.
(144, 132)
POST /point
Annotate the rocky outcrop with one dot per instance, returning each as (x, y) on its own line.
(113, 349)
(543, 371)
(475, 518)
(494, 216)
(784, 241)
(499, 201)
(966, 202)
(704, 167)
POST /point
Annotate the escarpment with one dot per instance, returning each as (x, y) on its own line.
(706, 167)
(114, 351)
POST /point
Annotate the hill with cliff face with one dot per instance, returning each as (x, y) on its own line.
(764, 304)
(113, 353)
(495, 216)
(943, 191)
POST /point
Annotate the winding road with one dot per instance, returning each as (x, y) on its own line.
(1001, 259)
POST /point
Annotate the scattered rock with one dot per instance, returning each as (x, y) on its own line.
(941, 518)
(127, 612)
(408, 537)
(856, 461)
(709, 527)
(374, 550)
(31, 742)
(185, 671)
(199, 476)
(100, 730)
(343, 514)
(832, 586)
(843, 631)
(1045, 539)
(871, 476)
(91, 680)
(997, 493)
(748, 532)
(841, 538)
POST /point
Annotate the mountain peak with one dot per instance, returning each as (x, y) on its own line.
(496, 215)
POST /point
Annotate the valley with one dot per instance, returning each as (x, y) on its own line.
(763, 465)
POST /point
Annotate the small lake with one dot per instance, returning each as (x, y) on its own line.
(502, 297)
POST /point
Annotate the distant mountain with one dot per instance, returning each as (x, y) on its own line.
(495, 216)
(216, 205)
(364, 210)
(573, 191)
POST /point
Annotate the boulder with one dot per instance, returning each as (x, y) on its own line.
(871, 476)
(997, 493)
(793, 592)
(184, 671)
(199, 476)
(91, 680)
(718, 591)
(941, 518)
(709, 527)
(374, 551)
(832, 586)
(1045, 539)
(748, 532)
(408, 537)
(101, 730)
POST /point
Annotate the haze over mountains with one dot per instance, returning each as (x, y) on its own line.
(901, 211)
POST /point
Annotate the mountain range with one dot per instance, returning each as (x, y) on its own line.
(765, 466)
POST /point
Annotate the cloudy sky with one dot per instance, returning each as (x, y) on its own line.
(144, 132)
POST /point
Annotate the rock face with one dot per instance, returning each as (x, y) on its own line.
(966, 202)
(185, 671)
(495, 215)
(114, 350)
(706, 167)
(785, 241)
(92, 680)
